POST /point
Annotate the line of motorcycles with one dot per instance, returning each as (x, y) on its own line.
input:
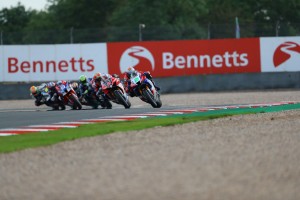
(112, 91)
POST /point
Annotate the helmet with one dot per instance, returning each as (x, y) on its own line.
(74, 85)
(129, 71)
(97, 77)
(33, 90)
(82, 79)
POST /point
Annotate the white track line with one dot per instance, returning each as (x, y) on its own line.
(53, 126)
(7, 134)
(25, 130)
(75, 122)
(101, 120)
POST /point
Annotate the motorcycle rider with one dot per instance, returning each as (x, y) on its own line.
(98, 77)
(75, 86)
(52, 91)
(54, 94)
(85, 86)
(127, 81)
(97, 85)
(37, 93)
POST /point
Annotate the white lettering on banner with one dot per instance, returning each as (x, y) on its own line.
(52, 62)
(229, 60)
(73, 65)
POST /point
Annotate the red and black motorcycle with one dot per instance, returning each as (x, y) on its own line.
(113, 90)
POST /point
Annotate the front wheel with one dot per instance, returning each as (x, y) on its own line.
(158, 101)
(92, 101)
(121, 99)
(150, 98)
(76, 102)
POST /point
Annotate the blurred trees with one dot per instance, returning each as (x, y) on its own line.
(115, 20)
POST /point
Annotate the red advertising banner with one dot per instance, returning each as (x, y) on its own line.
(186, 57)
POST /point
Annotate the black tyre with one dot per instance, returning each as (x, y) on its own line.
(95, 106)
(55, 108)
(93, 102)
(107, 104)
(158, 101)
(149, 96)
(76, 102)
(121, 99)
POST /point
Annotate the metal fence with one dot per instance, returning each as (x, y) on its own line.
(148, 33)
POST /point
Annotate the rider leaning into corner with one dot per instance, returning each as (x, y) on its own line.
(127, 81)
(52, 91)
(89, 86)
(85, 86)
(98, 78)
(37, 93)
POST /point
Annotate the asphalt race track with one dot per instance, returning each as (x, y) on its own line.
(17, 118)
(13, 118)
(14, 114)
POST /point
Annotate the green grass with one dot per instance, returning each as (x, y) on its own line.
(19, 142)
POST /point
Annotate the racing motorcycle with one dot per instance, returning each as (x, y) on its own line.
(87, 100)
(113, 90)
(55, 103)
(68, 95)
(91, 99)
(145, 90)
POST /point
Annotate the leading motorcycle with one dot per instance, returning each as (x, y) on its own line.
(145, 90)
